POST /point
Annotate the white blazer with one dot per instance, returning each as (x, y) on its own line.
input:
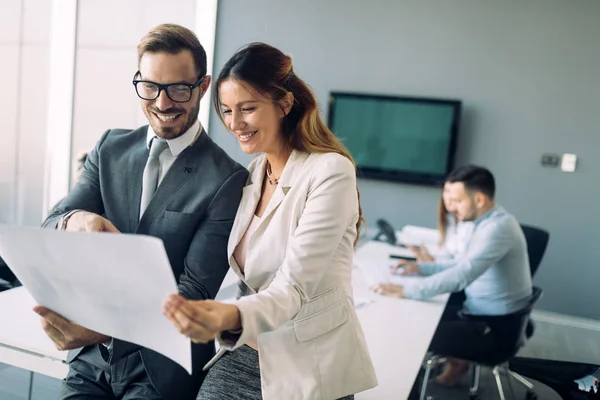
(299, 271)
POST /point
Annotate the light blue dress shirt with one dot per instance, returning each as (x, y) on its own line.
(493, 270)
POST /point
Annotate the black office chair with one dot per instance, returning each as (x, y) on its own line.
(537, 241)
(5, 285)
(498, 357)
(7, 278)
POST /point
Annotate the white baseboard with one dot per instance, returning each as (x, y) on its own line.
(566, 320)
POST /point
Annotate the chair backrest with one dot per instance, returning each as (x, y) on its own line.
(521, 335)
(536, 294)
(537, 242)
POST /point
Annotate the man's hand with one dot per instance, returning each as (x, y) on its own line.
(388, 289)
(65, 334)
(89, 222)
(410, 268)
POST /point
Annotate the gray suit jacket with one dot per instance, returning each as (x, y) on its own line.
(192, 211)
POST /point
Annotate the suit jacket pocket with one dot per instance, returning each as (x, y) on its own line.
(320, 323)
(176, 215)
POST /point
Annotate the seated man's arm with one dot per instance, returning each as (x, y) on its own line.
(206, 262)
(488, 246)
(432, 268)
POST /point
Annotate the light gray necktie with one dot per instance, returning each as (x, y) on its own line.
(150, 177)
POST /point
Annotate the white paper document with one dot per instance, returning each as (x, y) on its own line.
(374, 260)
(418, 235)
(111, 283)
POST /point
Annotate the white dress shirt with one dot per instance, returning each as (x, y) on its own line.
(176, 146)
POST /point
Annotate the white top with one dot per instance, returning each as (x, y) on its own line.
(241, 251)
(176, 147)
(455, 242)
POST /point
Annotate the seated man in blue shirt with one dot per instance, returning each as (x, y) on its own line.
(493, 271)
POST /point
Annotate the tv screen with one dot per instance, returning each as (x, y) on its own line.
(404, 139)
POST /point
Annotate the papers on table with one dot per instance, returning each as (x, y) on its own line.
(418, 235)
(110, 283)
(360, 302)
(374, 262)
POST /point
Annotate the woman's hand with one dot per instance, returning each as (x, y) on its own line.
(421, 253)
(201, 320)
(408, 268)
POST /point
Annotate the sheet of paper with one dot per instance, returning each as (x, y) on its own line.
(373, 260)
(360, 302)
(110, 283)
(417, 235)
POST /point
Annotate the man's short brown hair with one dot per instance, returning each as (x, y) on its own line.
(172, 39)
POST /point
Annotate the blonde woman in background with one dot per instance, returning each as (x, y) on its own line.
(454, 235)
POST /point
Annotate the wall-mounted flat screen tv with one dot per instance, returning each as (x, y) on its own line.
(404, 139)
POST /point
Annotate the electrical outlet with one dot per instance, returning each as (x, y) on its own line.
(569, 162)
(550, 160)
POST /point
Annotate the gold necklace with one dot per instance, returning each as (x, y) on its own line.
(272, 181)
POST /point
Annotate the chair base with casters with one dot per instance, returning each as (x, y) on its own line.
(496, 371)
(513, 338)
(434, 361)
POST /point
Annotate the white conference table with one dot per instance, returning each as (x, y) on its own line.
(397, 331)
(23, 343)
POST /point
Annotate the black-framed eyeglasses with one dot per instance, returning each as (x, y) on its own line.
(180, 92)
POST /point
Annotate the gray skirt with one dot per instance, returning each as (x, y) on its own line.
(235, 376)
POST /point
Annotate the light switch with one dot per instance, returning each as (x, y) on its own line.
(569, 162)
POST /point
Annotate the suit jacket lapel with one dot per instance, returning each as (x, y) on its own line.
(184, 167)
(135, 172)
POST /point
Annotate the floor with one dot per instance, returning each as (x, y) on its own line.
(566, 338)
(15, 385)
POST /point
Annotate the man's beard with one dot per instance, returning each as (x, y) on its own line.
(169, 133)
(471, 216)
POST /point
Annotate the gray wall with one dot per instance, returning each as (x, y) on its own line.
(527, 72)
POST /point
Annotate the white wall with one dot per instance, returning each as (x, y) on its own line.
(24, 39)
(527, 72)
(107, 37)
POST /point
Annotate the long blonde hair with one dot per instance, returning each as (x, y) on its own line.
(442, 220)
(270, 72)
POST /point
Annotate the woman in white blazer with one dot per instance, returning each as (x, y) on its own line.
(293, 333)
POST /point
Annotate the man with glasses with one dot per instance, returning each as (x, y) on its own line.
(168, 180)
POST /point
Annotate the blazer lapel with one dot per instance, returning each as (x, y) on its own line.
(184, 167)
(288, 175)
(135, 171)
(248, 204)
